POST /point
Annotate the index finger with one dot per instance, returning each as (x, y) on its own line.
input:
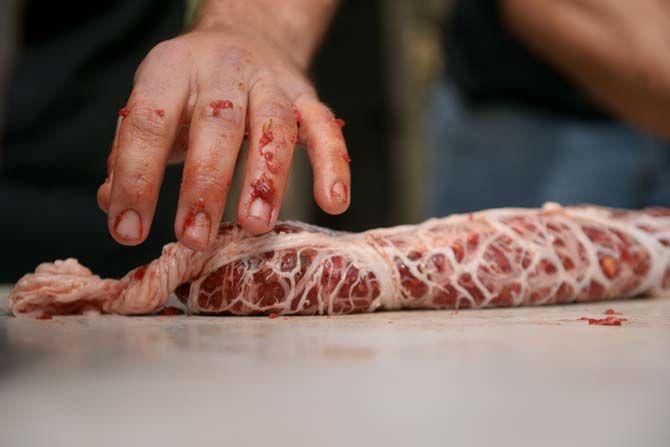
(146, 135)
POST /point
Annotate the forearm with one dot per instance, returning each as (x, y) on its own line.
(296, 25)
(616, 51)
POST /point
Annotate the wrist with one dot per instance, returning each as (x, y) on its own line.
(294, 26)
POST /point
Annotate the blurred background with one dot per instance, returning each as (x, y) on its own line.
(446, 110)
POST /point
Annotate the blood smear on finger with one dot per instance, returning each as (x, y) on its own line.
(263, 188)
(220, 104)
(267, 136)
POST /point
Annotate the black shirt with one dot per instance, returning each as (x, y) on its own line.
(488, 65)
(74, 67)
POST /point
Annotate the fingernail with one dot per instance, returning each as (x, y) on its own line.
(128, 225)
(197, 228)
(338, 192)
(260, 209)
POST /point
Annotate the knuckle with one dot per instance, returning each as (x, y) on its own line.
(325, 112)
(205, 173)
(235, 57)
(304, 90)
(224, 118)
(275, 107)
(168, 50)
(264, 82)
(214, 189)
(211, 187)
(263, 77)
(334, 147)
(140, 186)
(290, 134)
(145, 125)
(280, 112)
(306, 98)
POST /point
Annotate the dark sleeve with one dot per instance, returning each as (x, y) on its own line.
(74, 70)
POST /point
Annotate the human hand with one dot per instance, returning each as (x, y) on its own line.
(193, 99)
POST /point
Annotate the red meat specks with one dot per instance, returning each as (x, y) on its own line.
(219, 105)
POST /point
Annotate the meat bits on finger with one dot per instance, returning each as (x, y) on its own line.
(145, 138)
(147, 131)
(272, 140)
(217, 130)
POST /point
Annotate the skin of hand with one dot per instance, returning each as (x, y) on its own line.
(618, 51)
(240, 71)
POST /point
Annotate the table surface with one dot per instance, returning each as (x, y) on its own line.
(524, 376)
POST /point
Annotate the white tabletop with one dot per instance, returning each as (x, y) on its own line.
(526, 376)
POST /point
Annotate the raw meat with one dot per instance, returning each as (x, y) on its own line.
(501, 257)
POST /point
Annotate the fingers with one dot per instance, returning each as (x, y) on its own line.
(217, 130)
(322, 134)
(145, 136)
(273, 134)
